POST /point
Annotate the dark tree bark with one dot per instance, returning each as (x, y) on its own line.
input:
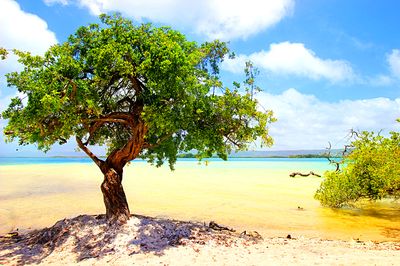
(117, 210)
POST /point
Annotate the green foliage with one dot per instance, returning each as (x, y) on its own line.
(370, 171)
(107, 78)
(3, 53)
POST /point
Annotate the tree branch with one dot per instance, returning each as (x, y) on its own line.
(346, 147)
(116, 117)
(111, 120)
(127, 99)
(328, 157)
(354, 133)
(131, 149)
(91, 130)
(160, 140)
(137, 84)
(89, 153)
(233, 142)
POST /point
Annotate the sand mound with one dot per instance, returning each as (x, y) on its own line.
(89, 240)
(86, 237)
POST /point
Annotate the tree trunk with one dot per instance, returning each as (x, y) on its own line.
(117, 210)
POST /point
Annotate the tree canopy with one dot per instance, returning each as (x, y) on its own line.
(143, 91)
(90, 84)
(371, 170)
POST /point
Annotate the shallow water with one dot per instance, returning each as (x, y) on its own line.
(244, 194)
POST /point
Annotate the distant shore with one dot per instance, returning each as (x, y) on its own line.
(317, 153)
(88, 240)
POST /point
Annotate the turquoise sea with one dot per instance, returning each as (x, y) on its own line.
(268, 163)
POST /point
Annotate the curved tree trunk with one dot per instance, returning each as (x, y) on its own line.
(117, 210)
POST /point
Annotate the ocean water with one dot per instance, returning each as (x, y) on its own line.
(41, 160)
(243, 193)
(267, 163)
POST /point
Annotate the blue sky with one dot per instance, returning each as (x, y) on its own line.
(325, 66)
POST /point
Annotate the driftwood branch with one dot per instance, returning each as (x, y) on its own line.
(294, 174)
(354, 133)
(213, 225)
(345, 152)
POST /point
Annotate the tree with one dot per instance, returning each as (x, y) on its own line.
(140, 90)
(370, 170)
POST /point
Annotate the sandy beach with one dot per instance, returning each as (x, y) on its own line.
(88, 240)
(242, 195)
(260, 201)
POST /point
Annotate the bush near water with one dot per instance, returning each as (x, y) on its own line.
(370, 171)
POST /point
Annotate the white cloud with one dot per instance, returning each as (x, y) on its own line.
(223, 19)
(5, 101)
(305, 122)
(391, 78)
(380, 80)
(96, 7)
(23, 31)
(393, 60)
(52, 2)
(288, 58)
(227, 19)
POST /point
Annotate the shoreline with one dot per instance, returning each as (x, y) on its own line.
(88, 240)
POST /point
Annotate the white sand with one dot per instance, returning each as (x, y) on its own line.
(88, 240)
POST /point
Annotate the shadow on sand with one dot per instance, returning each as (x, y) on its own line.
(88, 236)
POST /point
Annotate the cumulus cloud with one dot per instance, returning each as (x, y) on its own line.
(380, 80)
(23, 31)
(391, 78)
(52, 2)
(393, 60)
(223, 19)
(288, 58)
(226, 19)
(305, 122)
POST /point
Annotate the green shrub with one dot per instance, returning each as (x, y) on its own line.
(370, 171)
